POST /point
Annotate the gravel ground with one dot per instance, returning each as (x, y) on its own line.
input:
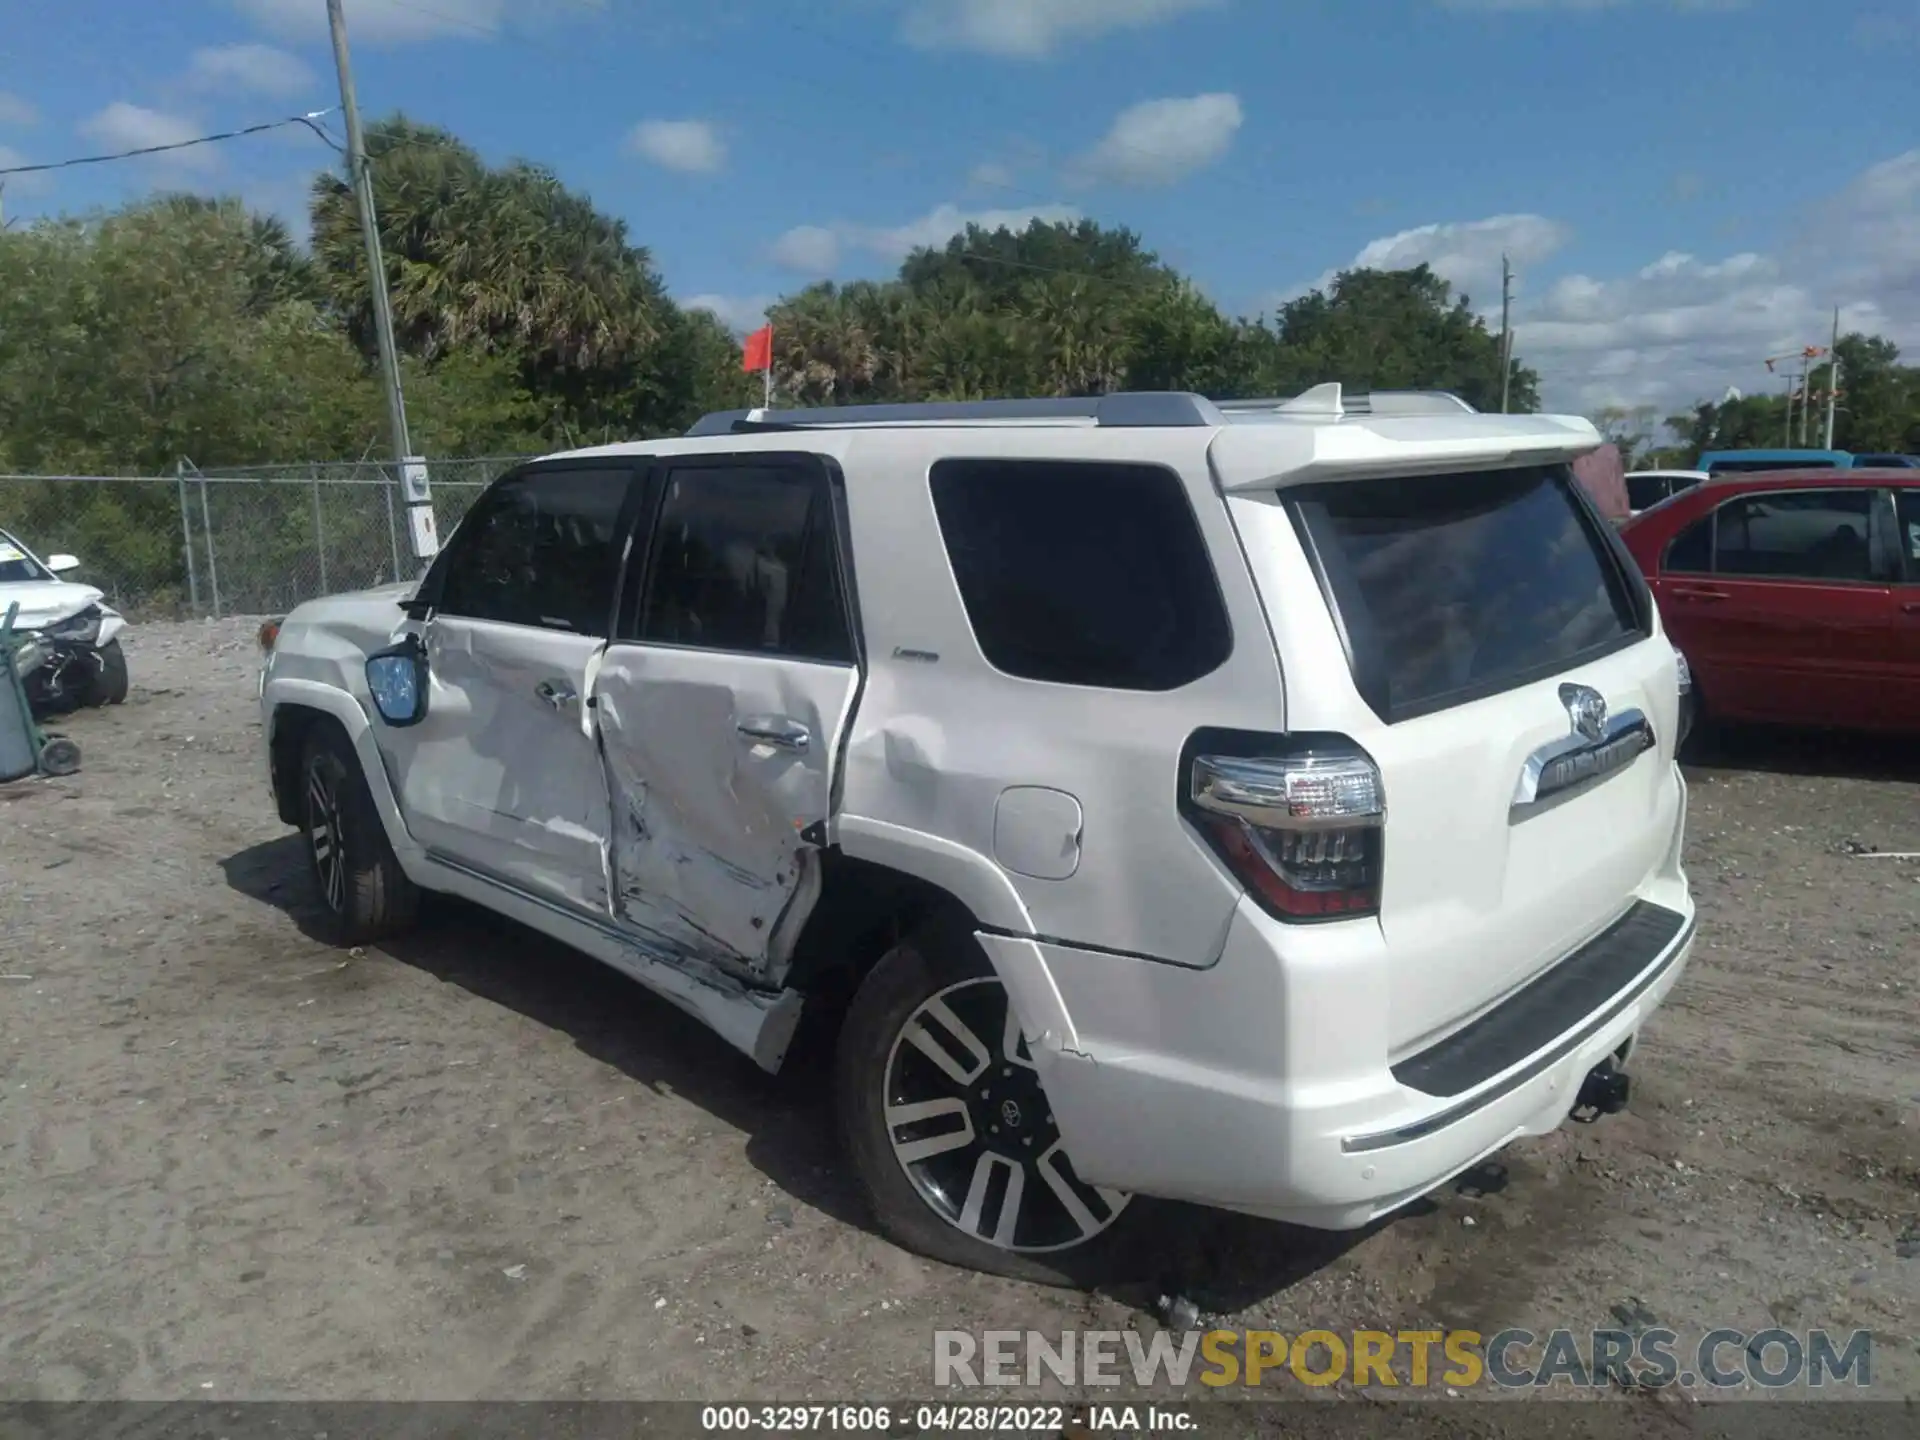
(237, 1163)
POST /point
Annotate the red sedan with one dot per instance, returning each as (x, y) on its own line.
(1793, 595)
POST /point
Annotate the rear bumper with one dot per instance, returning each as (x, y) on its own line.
(1264, 1083)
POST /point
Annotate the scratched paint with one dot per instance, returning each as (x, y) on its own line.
(706, 856)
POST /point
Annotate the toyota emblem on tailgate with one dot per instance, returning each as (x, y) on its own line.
(1586, 710)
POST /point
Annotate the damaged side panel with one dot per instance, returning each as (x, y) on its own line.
(716, 764)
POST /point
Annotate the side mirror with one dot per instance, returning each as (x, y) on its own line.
(60, 564)
(397, 680)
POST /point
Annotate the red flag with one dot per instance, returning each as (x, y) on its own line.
(757, 354)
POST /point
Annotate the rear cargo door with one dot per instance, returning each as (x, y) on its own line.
(1500, 664)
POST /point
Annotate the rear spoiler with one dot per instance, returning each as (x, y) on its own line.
(1267, 457)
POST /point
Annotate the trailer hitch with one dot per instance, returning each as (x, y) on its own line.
(1603, 1092)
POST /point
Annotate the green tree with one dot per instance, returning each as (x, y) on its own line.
(1397, 329)
(503, 261)
(1878, 408)
(1631, 430)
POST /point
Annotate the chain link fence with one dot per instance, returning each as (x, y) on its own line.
(249, 540)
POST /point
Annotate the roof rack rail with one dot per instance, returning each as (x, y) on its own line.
(1332, 402)
(1125, 409)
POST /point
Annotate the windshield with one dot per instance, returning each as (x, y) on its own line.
(16, 564)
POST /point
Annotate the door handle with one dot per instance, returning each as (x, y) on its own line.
(557, 693)
(774, 730)
(1696, 594)
(1912, 607)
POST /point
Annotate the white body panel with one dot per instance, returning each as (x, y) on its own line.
(1191, 1044)
(1474, 902)
(318, 666)
(46, 599)
(706, 855)
(42, 602)
(495, 776)
(933, 750)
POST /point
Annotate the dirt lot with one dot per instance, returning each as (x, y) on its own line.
(236, 1163)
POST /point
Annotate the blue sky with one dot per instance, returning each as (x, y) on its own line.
(1686, 186)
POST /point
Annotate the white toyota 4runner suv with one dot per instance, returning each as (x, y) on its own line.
(1268, 804)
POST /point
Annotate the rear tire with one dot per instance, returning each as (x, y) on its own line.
(978, 1177)
(364, 893)
(109, 687)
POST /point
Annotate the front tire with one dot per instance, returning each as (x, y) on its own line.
(363, 891)
(950, 1133)
(109, 687)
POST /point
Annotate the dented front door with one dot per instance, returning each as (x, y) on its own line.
(503, 776)
(720, 706)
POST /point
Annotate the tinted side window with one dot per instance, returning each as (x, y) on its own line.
(1082, 574)
(1691, 552)
(1908, 501)
(542, 549)
(744, 559)
(1646, 491)
(1820, 535)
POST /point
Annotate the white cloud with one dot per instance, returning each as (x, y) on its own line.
(1676, 330)
(17, 110)
(1468, 254)
(1684, 327)
(261, 69)
(942, 223)
(693, 146)
(817, 250)
(1030, 29)
(1160, 141)
(380, 22)
(1872, 236)
(17, 185)
(122, 126)
(809, 249)
(739, 313)
(990, 175)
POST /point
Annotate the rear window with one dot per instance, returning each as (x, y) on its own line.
(1646, 491)
(1452, 587)
(1082, 573)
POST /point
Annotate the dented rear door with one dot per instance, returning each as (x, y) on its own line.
(721, 705)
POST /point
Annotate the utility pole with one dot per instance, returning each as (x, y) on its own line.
(1506, 331)
(411, 473)
(1833, 375)
(1806, 393)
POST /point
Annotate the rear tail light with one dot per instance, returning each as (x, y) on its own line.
(1300, 829)
(269, 635)
(1687, 707)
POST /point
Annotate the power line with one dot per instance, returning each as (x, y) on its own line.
(310, 120)
(478, 26)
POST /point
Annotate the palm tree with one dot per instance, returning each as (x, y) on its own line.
(496, 260)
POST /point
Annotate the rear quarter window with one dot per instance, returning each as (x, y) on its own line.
(1691, 551)
(1082, 573)
(1454, 587)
